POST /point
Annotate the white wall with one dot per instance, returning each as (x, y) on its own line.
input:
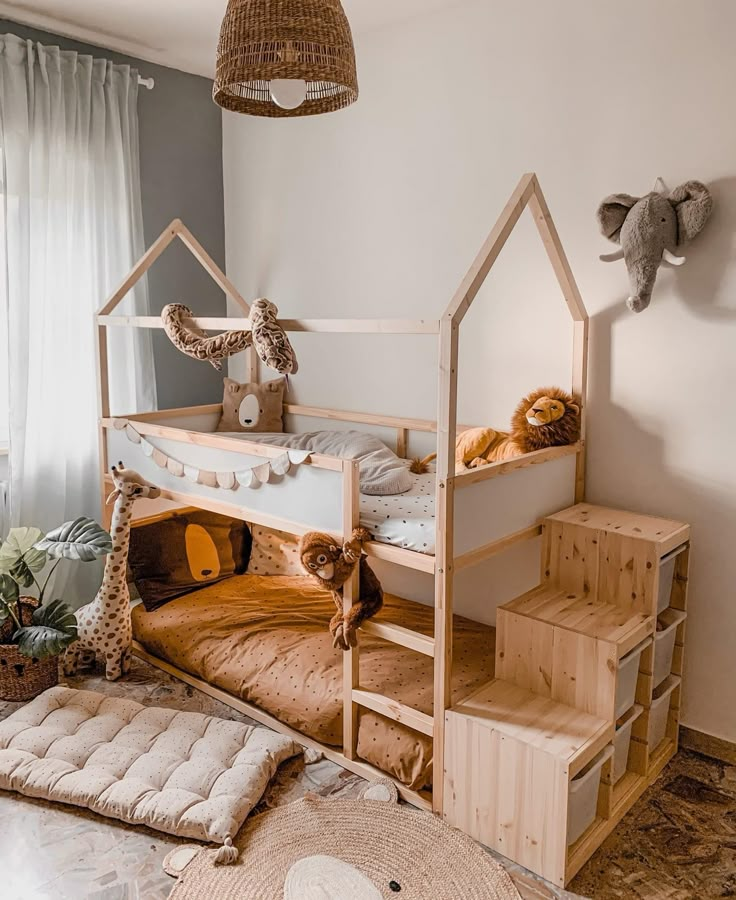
(378, 210)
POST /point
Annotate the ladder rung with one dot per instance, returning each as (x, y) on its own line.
(392, 709)
(397, 634)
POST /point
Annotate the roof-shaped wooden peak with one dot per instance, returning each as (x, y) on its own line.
(177, 229)
(528, 193)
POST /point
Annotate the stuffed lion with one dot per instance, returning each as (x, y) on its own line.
(549, 417)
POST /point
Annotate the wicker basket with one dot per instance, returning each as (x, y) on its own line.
(23, 678)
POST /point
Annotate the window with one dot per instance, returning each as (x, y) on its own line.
(4, 388)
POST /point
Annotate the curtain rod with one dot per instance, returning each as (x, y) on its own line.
(148, 83)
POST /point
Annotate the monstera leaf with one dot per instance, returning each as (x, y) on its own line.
(54, 628)
(83, 540)
(20, 557)
(9, 593)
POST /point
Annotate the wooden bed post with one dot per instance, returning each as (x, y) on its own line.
(351, 592)
(444, 552)
(103, 412)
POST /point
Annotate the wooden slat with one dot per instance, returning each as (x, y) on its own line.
(556, 252)
(338, 415)
(161, 415)
(490, 250)
(351, 593)
(484, 473)
(220, 442)
(402, 442)
(420, 799)
(394, 710)
(304, 326)
(397, 634)
(410, 559)
(473, 557)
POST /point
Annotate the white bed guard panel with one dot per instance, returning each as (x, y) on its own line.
(307, 496)
(490, 510)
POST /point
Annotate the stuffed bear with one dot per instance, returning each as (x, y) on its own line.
(255, 408)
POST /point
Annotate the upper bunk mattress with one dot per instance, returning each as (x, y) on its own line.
(265, 639)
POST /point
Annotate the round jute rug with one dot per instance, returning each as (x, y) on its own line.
(347, 850)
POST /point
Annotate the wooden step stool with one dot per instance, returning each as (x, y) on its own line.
(513, 748)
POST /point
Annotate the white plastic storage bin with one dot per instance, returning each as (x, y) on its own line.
(664, 644)
(666, 574)
(622, 743)
(628, 673)
(582, 801)
(659, 713)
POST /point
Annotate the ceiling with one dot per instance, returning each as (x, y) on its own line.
(181, 34)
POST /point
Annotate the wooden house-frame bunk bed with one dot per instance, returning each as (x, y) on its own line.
(515, 495)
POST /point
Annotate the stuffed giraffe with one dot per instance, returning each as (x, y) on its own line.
(103, 626)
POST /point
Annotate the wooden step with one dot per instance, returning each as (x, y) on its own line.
(665, 534)
(561, 731)
(583, 614)
(394, 710)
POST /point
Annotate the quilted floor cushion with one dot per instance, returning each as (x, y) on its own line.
(184, 773)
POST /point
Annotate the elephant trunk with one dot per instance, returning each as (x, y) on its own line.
(642, 276)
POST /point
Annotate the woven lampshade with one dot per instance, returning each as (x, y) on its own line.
(264, 40)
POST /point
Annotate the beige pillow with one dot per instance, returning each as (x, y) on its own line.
(274, 552)
(255, 408)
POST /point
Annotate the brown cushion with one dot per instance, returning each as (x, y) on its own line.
(258, 408)
(187, 551)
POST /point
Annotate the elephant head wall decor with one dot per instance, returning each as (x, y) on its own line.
(650, 229)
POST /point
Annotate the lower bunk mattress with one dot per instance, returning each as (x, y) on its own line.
(265, 640)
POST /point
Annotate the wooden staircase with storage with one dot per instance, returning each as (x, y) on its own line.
(543, 762)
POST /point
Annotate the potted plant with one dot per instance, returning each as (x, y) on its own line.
(33, 633)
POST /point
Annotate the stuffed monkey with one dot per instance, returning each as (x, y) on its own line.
(331, 566)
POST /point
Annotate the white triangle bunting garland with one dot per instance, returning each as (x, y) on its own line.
(226, 481)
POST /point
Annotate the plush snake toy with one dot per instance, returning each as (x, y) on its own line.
(266, 335)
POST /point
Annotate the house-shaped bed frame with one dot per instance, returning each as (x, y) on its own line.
(514, 495)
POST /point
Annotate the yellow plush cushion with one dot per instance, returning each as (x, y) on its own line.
(184, 773)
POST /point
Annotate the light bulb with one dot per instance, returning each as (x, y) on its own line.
(288, 93)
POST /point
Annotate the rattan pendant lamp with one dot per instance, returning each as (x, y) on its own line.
(285, 58)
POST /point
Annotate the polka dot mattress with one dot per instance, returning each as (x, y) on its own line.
(404, 520)
(184, 773)
(265, 639)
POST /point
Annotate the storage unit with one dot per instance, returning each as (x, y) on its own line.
(666, 577)
(652, 727)
(535, 767)
(664, 644)
(511, 759)
(582, 801)
(622, 743)
(628, 675)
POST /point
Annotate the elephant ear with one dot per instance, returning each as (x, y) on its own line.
(612, 215)
(693, 204)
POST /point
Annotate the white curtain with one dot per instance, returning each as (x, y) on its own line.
(71, 186)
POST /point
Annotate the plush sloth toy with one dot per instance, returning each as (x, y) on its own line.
(549, 417)
(331, 566)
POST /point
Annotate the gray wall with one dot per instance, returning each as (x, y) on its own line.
(181, 177)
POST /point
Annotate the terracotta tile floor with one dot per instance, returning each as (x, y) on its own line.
(679, 842)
